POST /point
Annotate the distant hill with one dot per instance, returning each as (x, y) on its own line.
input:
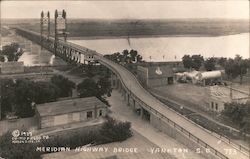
(142, 27)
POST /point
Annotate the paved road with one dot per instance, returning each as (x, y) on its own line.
(131, 82)
(122, 112)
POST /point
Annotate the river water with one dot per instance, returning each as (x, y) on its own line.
(152, 48)
(173, 48)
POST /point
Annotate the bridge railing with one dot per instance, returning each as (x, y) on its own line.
(160, 115)
(166, 119)
(223, 138)
(242, 149)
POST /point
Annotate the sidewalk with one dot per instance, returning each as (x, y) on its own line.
(122, 112)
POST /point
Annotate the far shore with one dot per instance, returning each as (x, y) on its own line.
(148, 36)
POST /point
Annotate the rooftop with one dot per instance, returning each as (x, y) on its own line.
(69, 106)
(223, 94)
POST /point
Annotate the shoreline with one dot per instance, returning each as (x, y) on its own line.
(150, 36)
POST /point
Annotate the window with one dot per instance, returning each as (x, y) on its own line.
(89, 114)
(212, 105)
(100, 112)
(216, 106)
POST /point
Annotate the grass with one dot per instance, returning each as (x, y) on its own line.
(202, 121)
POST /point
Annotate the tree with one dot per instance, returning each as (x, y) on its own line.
(46, 92)
(135, 57)
(192, 62)
(2, 59)
(242, 67)
(236, 67)
(88, 88)
(187, 61)
(222, 61)
(64, 85)
(7, 87)
(12, 51)
(125, 57)
(239, 114)
(209, 64)
(25, 93)
(197, 61)
(104, 86)
(18, 96)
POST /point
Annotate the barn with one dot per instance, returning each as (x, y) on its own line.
(69, 111)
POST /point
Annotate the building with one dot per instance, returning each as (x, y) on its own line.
(156, 75)
(69, 111)
(11, 67)
(220, 95)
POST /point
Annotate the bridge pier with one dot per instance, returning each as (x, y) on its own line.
(114, 83)
(127, 99)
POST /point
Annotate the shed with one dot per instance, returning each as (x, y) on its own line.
(69, 111)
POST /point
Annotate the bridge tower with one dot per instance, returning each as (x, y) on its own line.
(60, 27)
(45, 28)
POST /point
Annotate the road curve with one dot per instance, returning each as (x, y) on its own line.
(135, 87)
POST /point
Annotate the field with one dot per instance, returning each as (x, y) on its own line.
(138, 28)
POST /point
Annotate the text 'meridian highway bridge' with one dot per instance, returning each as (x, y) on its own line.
(161, 116)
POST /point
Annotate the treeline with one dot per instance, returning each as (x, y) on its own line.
(234, 67)
(125, 57)
(111, 131)
(20, 96)
(10, 52)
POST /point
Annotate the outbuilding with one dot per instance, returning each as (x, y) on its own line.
(156, 75)
(69, 111)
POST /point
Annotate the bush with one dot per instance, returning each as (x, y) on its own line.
(11, 150)
(113, 130)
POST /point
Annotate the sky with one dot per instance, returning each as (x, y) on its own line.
(232, 9)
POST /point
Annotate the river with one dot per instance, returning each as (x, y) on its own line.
(173, 48)
(153, 48)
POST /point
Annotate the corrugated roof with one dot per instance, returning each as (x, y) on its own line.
(69, 106)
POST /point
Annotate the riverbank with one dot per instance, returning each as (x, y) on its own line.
(145, 36)
(145, 27)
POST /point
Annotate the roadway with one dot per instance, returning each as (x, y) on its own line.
(134, 86)
(132, 83)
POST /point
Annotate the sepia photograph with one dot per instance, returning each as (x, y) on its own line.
(124, 79)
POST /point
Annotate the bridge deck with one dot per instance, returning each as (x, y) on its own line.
(131, 83)
(135, 88)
